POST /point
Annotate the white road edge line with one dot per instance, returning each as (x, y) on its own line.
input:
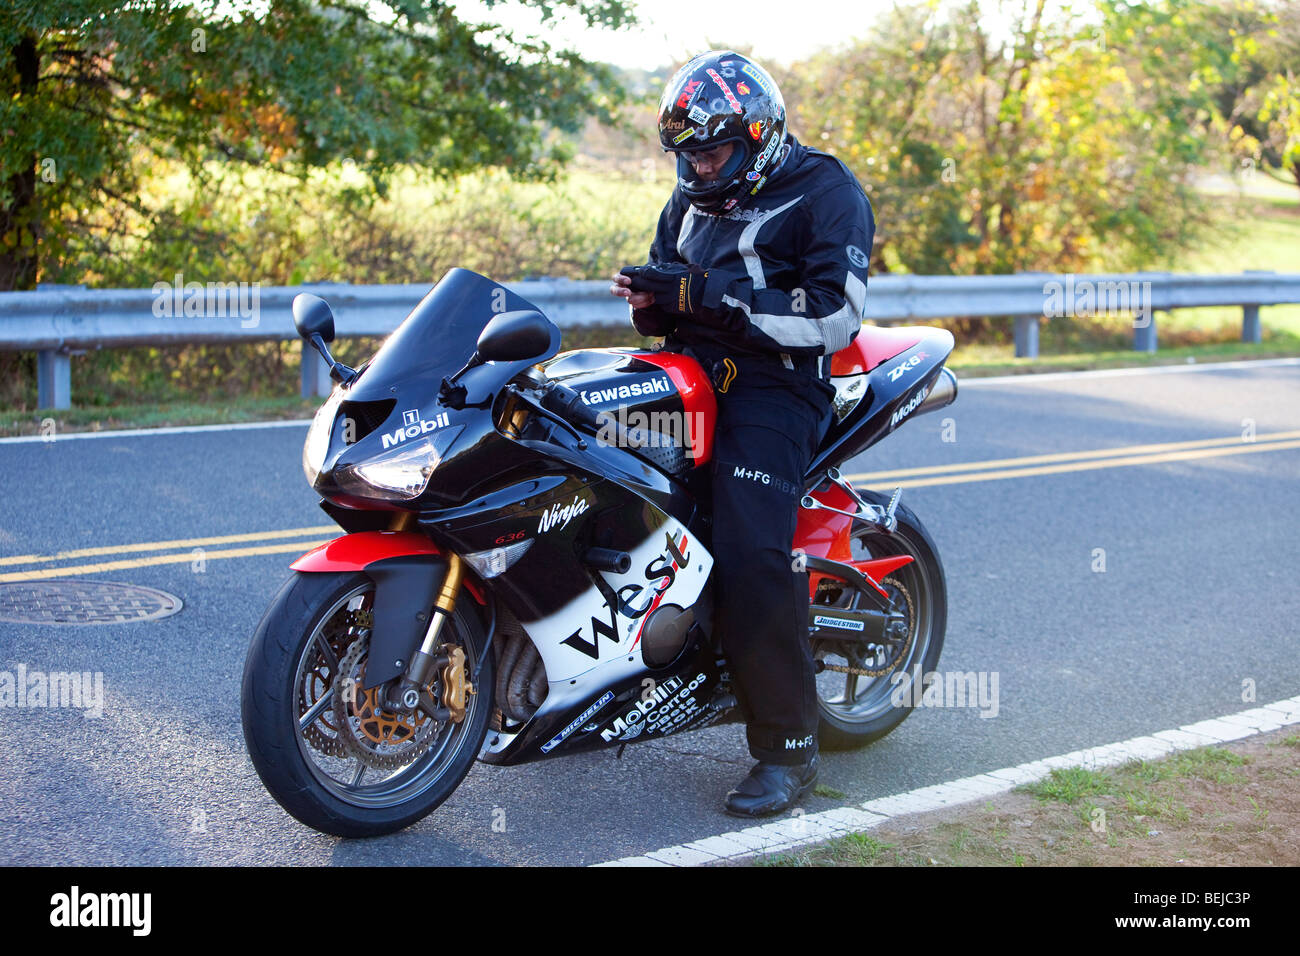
(1029, 378)
(136, 432)
(790, 832)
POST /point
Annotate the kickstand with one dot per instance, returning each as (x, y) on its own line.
(621, 748)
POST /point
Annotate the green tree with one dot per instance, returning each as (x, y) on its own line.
(1257, 89)
(93, 91)
(1011, 135)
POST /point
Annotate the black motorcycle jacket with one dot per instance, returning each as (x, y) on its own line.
(787, 271)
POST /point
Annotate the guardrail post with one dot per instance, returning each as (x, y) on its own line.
(1250, 327)
(53, 379)
(1144, 332)
(1027, 336)
(54, 366)
(315, 373)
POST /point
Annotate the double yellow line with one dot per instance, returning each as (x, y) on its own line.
(196, 551)
(1064, 462)
(188, 550)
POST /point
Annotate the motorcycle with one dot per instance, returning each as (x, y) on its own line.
(525, 569)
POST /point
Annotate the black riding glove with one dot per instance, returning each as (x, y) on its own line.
(653, 322)
(678, 289)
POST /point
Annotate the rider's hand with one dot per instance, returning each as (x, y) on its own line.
(623, 287)
(676, 288)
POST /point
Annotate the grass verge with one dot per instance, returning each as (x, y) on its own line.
(1238, 804)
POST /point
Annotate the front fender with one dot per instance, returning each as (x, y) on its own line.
(408, 570)
(355, 552)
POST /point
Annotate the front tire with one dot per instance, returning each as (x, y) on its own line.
(294, 734)
(859, 709)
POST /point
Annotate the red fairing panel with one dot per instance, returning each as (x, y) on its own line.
(354, 552)
(873, 345)
(698, 400)
(825, 534)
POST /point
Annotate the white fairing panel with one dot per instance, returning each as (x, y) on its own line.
(668, 567)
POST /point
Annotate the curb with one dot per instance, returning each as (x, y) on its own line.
(791, 832)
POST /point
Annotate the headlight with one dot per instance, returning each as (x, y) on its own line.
(317, 445)
(401, 474)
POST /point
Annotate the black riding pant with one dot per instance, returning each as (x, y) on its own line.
(770, 420)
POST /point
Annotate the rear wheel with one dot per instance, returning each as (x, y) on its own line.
(330, 751)
(858, 686)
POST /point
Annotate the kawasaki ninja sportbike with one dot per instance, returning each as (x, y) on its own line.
(525, 571)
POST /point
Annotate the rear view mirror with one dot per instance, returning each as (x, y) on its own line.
(514, 337)
(312, 316)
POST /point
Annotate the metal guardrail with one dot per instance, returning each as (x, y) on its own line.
(60, 321)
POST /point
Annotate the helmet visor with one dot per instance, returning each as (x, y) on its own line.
(730, 169)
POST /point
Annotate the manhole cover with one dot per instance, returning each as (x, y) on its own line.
(83, 602)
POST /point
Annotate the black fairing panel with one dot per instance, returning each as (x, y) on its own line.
(890, 388)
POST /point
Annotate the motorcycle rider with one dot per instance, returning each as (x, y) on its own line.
(758, 270)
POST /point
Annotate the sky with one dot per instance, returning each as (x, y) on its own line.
(671, 31)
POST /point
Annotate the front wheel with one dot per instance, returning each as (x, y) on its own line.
(859, 691)
(328, 750)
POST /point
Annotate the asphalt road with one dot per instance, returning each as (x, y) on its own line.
(1196, 604)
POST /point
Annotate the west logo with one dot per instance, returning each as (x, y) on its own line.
(664, 568)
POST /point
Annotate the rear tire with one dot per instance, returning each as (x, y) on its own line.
(287, 675)
(856, 710)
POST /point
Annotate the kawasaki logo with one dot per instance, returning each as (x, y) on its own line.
(413, 427)
(910, 407)
(559, 516)
(822, 621)
(657, 385)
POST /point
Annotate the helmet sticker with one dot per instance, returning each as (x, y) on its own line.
(857, 256)
(756, 130)
(726, 90)
(758, 185)
(698, 115)
(742, 88)
(683, 137)
(749, 70)
(751, 176)
(766, 154)
(690, 94)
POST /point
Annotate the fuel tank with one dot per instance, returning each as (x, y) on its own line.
(663, 400)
